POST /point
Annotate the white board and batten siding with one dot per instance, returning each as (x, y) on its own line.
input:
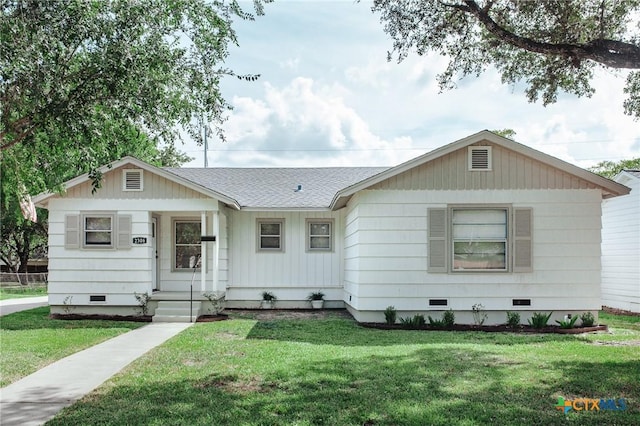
(621, 247)
(290, 274)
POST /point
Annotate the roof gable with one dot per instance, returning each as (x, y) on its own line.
(160, 184)
(515, 166)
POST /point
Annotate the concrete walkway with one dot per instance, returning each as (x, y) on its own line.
(37, 398)
(10, 306)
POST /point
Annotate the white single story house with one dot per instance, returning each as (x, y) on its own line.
(621, 246)
(483, 220)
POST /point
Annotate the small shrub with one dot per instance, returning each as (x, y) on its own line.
(216, 303)
(448, 318)
(316, 295)
(568, 323)
(587, 319)
(143, 302)
(67, 306)
(539, 320)
(417, 321)
(479, 315)
(390, 315)
(513, 319)
(269, 296)
(436, 322)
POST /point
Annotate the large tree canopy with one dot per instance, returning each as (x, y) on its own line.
(156, 63)
(550, 45)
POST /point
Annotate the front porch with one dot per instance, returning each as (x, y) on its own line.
(176, 306)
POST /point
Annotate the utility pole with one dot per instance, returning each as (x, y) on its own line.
(206, 146)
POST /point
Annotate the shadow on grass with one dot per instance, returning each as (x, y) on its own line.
(38, 318)
(349, 333)
(426, 386)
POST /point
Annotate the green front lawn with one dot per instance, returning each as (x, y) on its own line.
(30, 340)
(333, 372)
(18, 292)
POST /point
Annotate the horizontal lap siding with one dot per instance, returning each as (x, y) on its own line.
(621, 250)
(387, 254)
(81, 272)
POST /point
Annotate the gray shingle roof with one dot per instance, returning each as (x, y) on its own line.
(276, 187)
(634, 172)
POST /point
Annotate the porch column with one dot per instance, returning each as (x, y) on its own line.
(203, 252)
(215, 250)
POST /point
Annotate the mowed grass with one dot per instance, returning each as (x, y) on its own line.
(334, 372)
(30, 340)
(19, 292)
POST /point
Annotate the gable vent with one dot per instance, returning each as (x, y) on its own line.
(480, 158)
(132, 180)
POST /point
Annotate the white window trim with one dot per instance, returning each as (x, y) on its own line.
(508, 240)
(174, 221)
(125, 172)
(83, 230)
(279, 221)
(308, 235)
(489, 158)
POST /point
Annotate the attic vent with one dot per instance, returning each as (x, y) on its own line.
(479, 158)
(132, 180)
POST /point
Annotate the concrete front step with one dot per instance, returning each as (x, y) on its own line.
(177, 311)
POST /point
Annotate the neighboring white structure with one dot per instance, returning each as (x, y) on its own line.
(484, 220)
(621, 246)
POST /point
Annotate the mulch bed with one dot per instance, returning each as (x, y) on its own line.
(212, 318)
(620, 312)
(134, 318)
(488, 328)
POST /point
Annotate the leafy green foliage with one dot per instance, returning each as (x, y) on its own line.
(447, 321)
(513, 319)
(568, 323)
(610, 169)
(539, 320)
(390, 315)
(449, 318)
(415, 322)
(587, 319)
(66, 67)
(269, 296)
(550, 46)
(315, 295)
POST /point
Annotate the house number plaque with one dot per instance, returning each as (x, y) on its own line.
(139, 240)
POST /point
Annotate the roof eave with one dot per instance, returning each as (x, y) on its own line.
(41, 200)
(608, 187)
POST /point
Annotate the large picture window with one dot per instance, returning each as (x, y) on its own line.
(270, 234)
(479, 239)
(97, 230)
(186, 243)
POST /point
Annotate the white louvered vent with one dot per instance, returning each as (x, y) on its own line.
(479, 158)
(132, 180)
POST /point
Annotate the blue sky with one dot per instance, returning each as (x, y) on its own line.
(328, 97)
